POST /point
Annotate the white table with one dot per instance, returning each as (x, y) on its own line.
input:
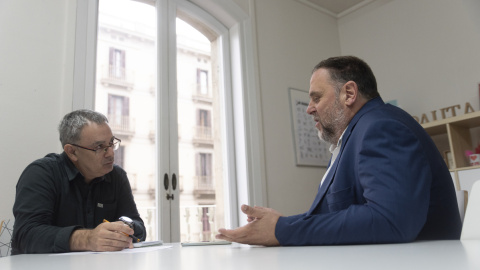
(451, 255)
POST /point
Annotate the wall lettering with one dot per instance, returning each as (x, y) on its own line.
(446, 112)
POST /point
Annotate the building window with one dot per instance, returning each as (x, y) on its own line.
(117, 64)
(204, 118)
(205, 221)
(204, 125)
(202, 82)
(204, 170)
(119, 154)
(118, 112)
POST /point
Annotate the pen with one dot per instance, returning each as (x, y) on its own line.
(135, 239)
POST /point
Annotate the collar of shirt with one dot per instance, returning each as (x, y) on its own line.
(334, 149)
(73, 172)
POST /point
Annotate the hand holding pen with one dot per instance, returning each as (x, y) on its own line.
(134, 239)
(105, 237)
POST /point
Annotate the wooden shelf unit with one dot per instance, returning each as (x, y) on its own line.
(454, 134)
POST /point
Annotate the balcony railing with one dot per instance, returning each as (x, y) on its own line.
(203, 132)
(197, 94)
(197, 223)
(149, 217)
(202, 135)
(121, 124)
(117, 76)
(204, 182)
(204, 187)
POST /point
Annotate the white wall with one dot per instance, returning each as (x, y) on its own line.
(36, 40)
(425, 53)
(291, 40)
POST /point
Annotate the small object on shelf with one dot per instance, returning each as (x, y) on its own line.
(474, 159)
(473, 156)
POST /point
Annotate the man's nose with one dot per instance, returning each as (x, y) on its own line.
(310, 109)
(110, 151)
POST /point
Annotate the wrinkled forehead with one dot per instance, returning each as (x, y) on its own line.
(96, 134)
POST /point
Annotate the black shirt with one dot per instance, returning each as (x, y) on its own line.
(53, 199)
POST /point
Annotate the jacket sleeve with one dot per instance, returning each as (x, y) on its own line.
(387, 164)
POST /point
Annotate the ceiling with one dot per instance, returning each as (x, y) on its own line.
(336, 8)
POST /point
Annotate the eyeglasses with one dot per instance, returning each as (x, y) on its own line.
(115, 144)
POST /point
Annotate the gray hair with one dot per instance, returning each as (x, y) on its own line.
(72, 124)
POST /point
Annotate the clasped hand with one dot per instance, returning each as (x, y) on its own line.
(260, 229)
(105, 237)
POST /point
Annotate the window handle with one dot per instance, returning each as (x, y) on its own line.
(165, 181)
(174, 181)
(165, 184)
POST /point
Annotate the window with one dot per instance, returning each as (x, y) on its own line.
(204, 167)
(119, 154)
(204, 188)
(202, 82)
(204, 126)
(229, 30)
(205, 222)
(117, 63)
(118, 112)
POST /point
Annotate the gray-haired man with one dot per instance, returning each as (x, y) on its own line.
(62, 199)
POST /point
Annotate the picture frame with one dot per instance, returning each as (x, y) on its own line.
(309, 149)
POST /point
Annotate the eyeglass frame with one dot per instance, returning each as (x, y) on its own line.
(115, 141)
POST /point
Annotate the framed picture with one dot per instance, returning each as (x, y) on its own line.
(309, 149)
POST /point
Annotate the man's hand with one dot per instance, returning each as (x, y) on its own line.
(105, 237)
(260, 229)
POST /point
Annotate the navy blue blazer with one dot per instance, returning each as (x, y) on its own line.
(389, 184)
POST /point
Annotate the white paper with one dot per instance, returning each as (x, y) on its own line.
(127, 250)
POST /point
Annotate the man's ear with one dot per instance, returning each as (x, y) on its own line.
(70, 151)
(351, 93)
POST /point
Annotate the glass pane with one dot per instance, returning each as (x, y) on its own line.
(125, 93)
(199, 136)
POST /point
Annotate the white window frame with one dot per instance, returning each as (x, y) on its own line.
(249, 179)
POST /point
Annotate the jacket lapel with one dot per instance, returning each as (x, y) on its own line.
(322, 190)
(326, 183)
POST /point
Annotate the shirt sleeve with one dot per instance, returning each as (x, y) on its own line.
(34, 211)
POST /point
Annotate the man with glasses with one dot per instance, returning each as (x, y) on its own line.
(63, 200)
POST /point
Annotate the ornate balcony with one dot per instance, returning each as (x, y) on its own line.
(197, 223)
(204, 188)
(202, 135)
(121, 125)
(117, 76)
(198, 96)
